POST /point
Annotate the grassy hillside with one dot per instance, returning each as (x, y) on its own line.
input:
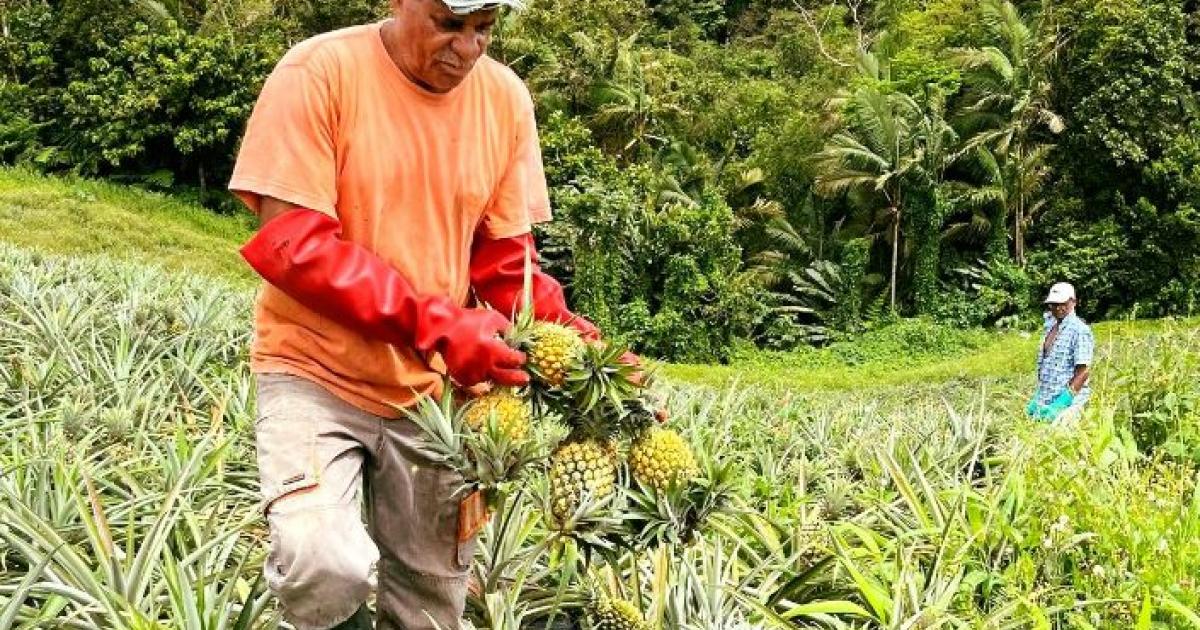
(76, 216)
(970, 356)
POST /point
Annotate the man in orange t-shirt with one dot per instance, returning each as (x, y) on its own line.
(395, 170)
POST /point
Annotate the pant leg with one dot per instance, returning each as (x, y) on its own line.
(413, 514)
(311, 451)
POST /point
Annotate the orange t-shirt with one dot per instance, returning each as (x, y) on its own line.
(410, 174)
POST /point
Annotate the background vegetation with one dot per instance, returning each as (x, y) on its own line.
(778, 172)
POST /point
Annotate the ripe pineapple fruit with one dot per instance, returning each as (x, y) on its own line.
(552, 350)
(578, 468)
(660, 457)
(617, 614)
(512, 413)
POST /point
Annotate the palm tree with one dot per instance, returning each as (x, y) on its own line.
(990, 202)
(628, 108)
(936, 144)
(896, 152)
(1008, 105)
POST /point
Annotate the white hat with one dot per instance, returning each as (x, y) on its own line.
(1060, 292)
(463, 7)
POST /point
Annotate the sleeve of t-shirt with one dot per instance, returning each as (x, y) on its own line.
(288, 149)
(1085, 347)
(521, 198)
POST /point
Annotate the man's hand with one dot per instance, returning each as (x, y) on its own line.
(474, 352)
(1061, 403)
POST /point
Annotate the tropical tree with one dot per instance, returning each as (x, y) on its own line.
(986, 205)
(629, 108)
(1007, 105)
(936, 144)
(894, 153)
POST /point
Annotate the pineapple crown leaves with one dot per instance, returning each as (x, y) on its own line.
(487, 459)
(594, 526)
(677, 512)
(441, 426)
(499, 460)
(600, 380)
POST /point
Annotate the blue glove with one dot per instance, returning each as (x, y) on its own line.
(1033, 409)
(1060, 404)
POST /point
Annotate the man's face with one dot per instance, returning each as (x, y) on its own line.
(1061, 309)
(440, 47)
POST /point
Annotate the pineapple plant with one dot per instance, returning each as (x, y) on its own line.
(511, 411)
(488, 455)
(581, 469)
(616, 614)
(661, 458)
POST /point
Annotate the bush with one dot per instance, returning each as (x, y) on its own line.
(163, 104)
(1153, 389)
(997, 293)
(894, 344)
(1086, 255)
(663, 277)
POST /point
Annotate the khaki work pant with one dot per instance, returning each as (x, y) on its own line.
(313, 451)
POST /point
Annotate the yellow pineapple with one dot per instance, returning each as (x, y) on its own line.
(660, 457)
(578, 468)
(553, 349)
(617, 614)
(512, 413)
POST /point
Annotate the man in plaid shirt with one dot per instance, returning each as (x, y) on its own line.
(1064, 358)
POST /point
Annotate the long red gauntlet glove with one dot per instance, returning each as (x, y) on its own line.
(301, 253)
(498, 275)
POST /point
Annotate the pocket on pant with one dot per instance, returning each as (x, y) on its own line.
(285, 434)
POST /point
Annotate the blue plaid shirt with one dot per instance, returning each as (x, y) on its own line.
(1073, 346)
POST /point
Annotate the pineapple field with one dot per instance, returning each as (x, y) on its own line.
(129, 494)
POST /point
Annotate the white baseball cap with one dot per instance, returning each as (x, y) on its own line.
(463, 7)
(1059, 293)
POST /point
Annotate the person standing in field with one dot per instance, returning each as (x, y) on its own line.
(1064, 358)
(396, 172)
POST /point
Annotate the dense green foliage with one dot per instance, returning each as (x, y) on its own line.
(778, 172)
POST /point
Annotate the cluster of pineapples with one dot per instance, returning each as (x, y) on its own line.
(585, 387)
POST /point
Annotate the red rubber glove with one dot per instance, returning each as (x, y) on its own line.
(498, 275)
(301, 253)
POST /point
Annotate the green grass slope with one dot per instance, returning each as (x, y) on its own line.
(77, 216)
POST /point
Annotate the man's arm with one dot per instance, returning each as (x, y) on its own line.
(1079, 379)
(1084, 351)
(498, 277)
(271, 207)
(302, 253)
